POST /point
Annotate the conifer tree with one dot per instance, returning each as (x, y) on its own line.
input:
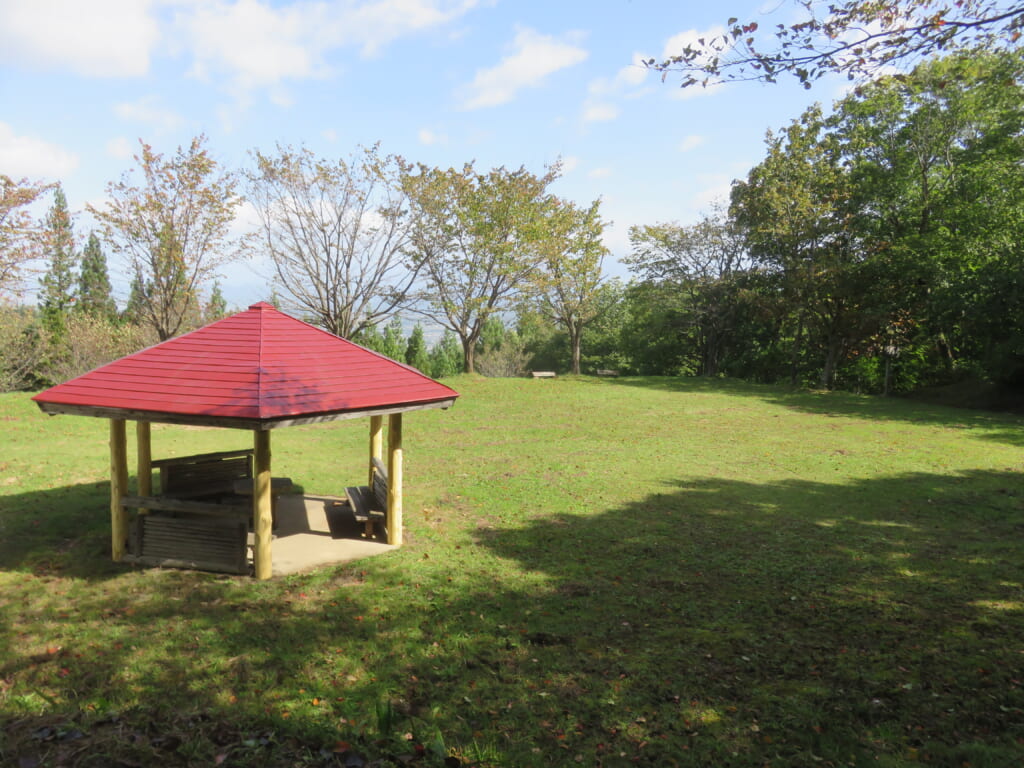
(57, 290)
(217, 306)
(416, 350)
(94, 291)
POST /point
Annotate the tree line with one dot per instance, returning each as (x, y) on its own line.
(875, 248)
(353, 242)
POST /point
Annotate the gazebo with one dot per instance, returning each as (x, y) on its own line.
(256, 370)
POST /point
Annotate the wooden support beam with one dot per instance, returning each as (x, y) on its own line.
(144, 471)
(394, 519)
(262, 505)
(376, 443)
(118, 489)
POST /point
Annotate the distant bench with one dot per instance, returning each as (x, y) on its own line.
(542, 374)
(369, 505)
(607, 372)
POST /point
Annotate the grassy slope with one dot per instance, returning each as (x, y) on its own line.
(596, 572)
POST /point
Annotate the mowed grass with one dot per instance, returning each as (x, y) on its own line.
(596, 572)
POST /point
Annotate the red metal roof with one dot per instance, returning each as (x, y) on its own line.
(259, 365)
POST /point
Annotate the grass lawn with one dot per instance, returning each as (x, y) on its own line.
(596, 572)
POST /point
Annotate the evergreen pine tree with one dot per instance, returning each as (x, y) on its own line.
(94, 291)
(217, 306)
(57, 294)
(446, 356)
(416, 351)
(134, 311)
(394, 341)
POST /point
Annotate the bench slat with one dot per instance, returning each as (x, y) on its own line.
(164, 504)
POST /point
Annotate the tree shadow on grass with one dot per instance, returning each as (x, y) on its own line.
(996, 427)
(60, 531)
(713, 622)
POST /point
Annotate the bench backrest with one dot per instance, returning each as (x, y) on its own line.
(204, 474)
(380, 483)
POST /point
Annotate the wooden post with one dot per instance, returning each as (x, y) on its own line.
(376, 442)
(118, 489)
(145, 459)
(261, 505)
(394, 517)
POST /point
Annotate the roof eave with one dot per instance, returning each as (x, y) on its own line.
(230, 422)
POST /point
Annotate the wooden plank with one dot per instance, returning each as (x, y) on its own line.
(171, 461)
(394, 511)
(262, 506)
(118, 489)
(165, 504)
(543, 374)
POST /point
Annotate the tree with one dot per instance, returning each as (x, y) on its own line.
(173, 230)
(19, 233)
(446, 357)
(94, 291)
(336, 233)
(416, 353)
(856, 38)
(477, 241)
(393, 343)
(217, 305)
(700, 263)
(936, 174)
(57, 294)
(571, 275)
(791, 207)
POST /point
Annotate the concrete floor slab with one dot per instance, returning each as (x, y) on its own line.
(313, 531)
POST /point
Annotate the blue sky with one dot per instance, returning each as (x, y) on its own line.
(442, 82)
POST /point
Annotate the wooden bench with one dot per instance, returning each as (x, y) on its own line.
(181, 533)
(542, 374)
(607, 372)
(198, 520)
(205, 475)
(369, 505)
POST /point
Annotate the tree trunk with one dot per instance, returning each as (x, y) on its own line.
(575, 337)
(468, 354)
(828, 373)
(794, 362)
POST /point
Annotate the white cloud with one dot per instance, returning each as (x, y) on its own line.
(256, 44)
(32, 157)
(569, 164)
(120, 148)
(99, 38)
(690, 142)
(532, 59)
(600, 113)
(148, 110)
(627, 78)
(599, 106)
(600, 173)
(428, 137)
(714, 188)
(692, 37)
